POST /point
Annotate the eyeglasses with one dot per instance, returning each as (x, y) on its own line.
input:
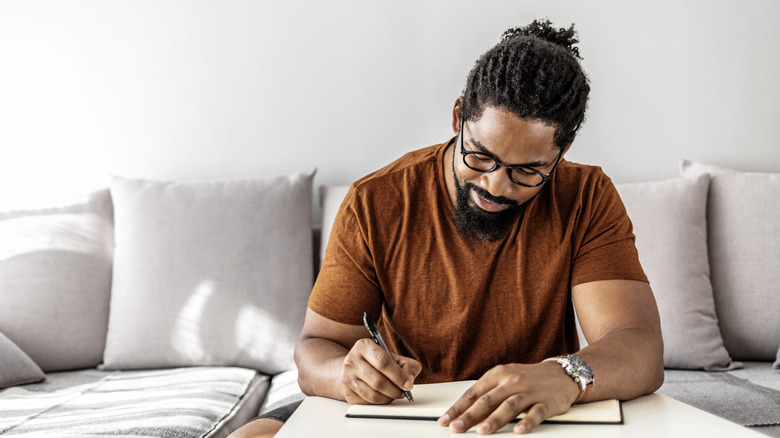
(521, 175)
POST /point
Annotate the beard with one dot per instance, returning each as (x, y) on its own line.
(476, 223)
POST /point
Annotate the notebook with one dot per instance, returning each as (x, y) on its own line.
(432, 400)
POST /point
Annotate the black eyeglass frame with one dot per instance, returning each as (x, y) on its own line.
(509, 167)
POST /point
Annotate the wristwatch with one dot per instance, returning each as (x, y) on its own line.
(578, 370)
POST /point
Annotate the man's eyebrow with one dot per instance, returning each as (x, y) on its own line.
(484, 150)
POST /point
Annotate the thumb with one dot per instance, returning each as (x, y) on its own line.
(410, 365)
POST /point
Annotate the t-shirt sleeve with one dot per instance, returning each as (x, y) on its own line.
(347, 283)
(607, 245)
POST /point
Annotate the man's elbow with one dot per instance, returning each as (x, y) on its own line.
(301, 362)
(656, 363)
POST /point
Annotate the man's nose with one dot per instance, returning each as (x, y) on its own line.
(497, 183)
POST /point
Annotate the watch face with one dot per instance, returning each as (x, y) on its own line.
(580, 369)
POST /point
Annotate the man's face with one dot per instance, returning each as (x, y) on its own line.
(488, 204)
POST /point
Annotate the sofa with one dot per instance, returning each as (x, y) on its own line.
(171, 308)
(153, 308)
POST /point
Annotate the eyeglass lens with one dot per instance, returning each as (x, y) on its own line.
(486, 163)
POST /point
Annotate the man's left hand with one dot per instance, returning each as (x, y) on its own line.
(541, 390)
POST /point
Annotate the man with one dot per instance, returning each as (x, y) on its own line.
(475, 252)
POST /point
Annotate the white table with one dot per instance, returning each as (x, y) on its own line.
(655, 415)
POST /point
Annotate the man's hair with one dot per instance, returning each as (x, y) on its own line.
(534, 73)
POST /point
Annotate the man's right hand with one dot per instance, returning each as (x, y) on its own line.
(371, 375)
(340, 361)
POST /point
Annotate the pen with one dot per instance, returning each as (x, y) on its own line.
(371, 326)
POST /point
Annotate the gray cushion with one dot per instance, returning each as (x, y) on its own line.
(16, 368)
(727, 395)
(191, 402)
(55, 281)
(671, 237)
(210, 273)
(283, 391)
(744, 237)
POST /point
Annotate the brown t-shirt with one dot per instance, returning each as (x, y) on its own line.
(458, 305)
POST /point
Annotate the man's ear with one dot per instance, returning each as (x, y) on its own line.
(456, 114)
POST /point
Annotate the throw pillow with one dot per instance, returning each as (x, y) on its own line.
(209, 273)
(744, 237)
(671, 237)
(55, 281)
(16, 368)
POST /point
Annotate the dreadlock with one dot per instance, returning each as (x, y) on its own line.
(533, 73)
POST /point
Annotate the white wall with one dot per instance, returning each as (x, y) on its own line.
(225, 89)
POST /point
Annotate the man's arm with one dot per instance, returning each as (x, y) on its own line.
(340, 361)
(619, 318)
(620, 321)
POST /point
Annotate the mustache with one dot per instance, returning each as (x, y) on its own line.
(485, 194)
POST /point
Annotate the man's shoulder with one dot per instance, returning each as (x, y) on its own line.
(572, 171)
(581, 178)
(577, 186)
(412, 180)
(414, 164)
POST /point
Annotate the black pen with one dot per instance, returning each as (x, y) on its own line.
(371, 326)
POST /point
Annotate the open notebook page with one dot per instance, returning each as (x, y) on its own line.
(432, 400)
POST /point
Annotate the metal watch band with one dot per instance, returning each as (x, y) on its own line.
(578, 370)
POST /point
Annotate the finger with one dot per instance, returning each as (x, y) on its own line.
(491, 380)
(352, 397)
(480, 410)
(360, 393)
(460, 406)
(409, 365)
(391, 370)
(368, 382)
(501, 416)
(475, 407)
(538, 413)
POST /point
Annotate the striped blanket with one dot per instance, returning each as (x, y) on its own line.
(180, 402)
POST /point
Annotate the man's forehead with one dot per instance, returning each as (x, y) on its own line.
(512, 140)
